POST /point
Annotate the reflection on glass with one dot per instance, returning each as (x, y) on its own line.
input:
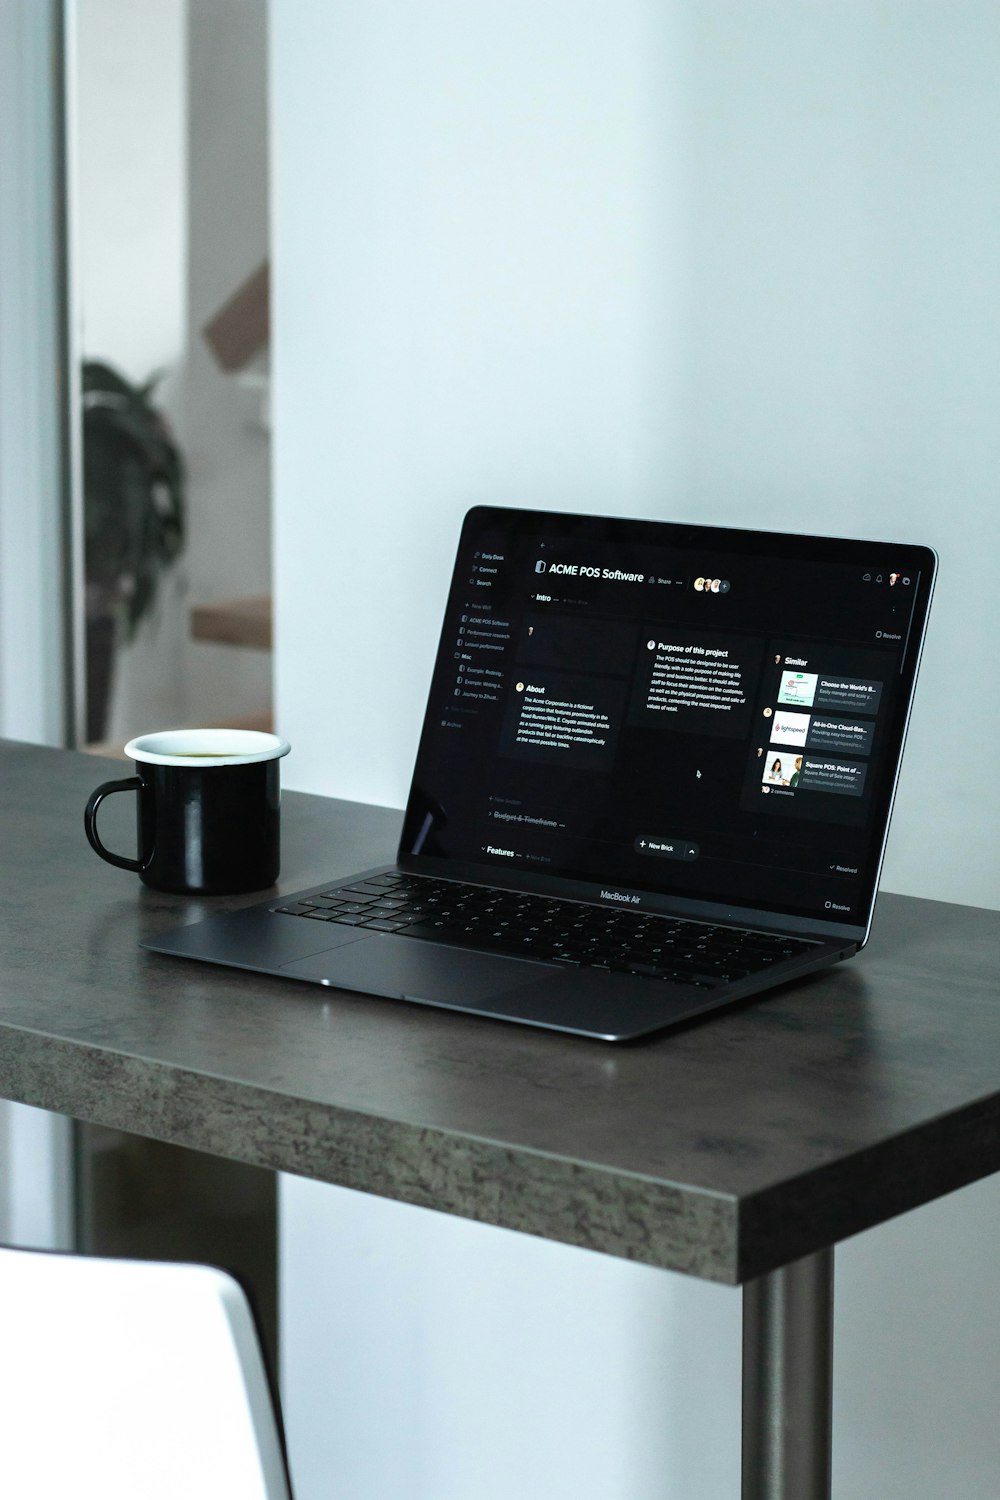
(133, 500)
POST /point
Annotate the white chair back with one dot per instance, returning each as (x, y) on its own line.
(131, 1380)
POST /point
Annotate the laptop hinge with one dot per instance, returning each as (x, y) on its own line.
(624, 898)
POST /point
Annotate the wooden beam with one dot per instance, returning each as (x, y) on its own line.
(234, 622)
(241, 329)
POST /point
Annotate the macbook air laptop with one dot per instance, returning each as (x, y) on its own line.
(654, 779)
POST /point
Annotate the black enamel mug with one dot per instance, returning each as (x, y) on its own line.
(207, 810)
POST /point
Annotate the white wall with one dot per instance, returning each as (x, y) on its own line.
(714, 261)
(462, 205)
(35, 1191)
(841, 331)
(31, 437)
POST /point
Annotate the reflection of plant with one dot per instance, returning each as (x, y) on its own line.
(133, 483)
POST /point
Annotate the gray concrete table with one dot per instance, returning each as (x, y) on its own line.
(740, 1150)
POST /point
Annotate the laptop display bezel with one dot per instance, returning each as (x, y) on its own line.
(519, 523)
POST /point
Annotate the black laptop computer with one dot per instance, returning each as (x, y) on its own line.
(655, 778)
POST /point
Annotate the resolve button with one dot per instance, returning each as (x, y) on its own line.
(666, 848)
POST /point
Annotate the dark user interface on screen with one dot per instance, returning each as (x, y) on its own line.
(703, 713)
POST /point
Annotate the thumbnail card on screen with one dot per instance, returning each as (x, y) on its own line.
(798, 688)
(782, 770)
(789, 729)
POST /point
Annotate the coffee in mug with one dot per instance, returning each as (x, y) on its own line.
(207, 809)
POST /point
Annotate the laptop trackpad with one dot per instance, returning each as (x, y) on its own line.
(408, 969)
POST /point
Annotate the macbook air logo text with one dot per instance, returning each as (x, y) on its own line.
(618, 896)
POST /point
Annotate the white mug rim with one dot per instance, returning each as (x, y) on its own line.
(259, 746)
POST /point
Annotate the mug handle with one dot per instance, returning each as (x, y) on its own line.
(131, 783)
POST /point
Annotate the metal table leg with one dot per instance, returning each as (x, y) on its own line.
(788, 1381)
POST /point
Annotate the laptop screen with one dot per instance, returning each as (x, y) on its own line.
(708, 716)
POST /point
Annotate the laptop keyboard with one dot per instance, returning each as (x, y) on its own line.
(564, 932)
